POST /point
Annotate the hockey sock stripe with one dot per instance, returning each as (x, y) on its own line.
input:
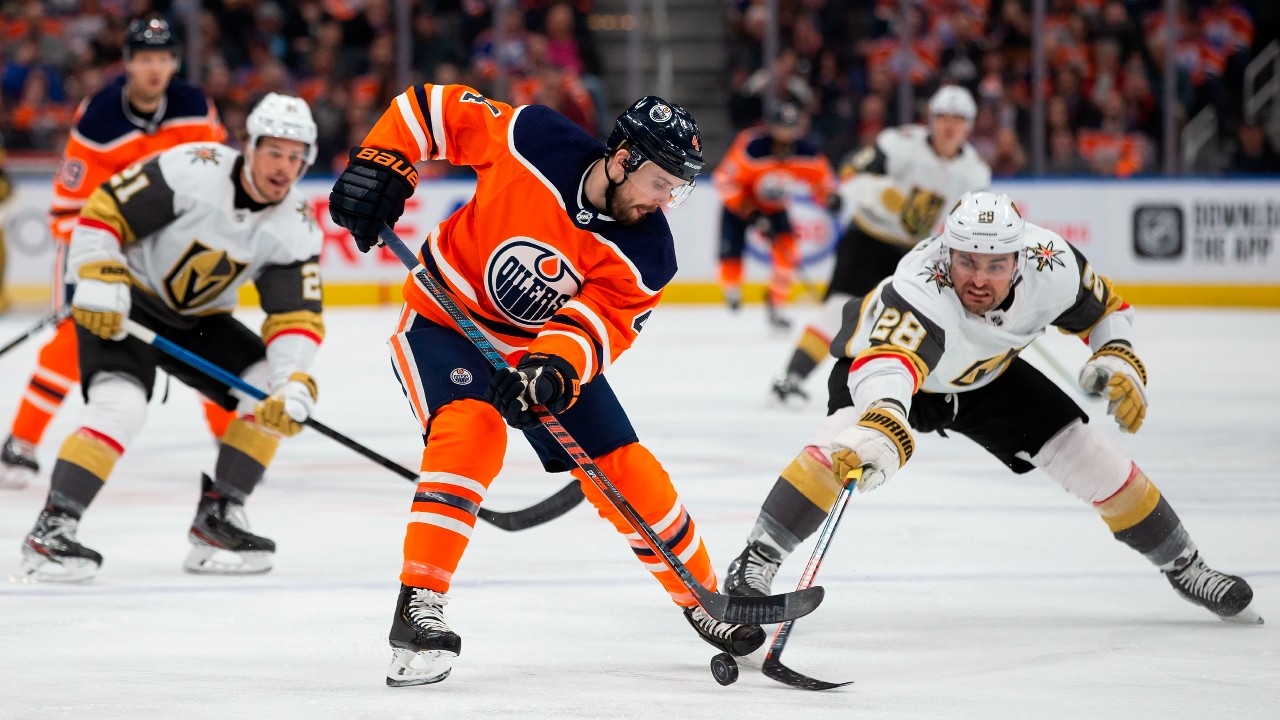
(811, 476)
(670, 543)
(1131, 504)
(41, 404)
(437, 518)
(52, 393)
(54, 379)
(814, 344)
(251, 440)
(443, 498)
(451, 482)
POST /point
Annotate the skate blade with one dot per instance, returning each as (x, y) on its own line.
(418, 668)
(207, 560)
(1247, 616)
(16, 478)
(37, 568)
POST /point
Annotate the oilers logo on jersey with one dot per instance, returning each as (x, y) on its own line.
(529, 281)
(199, 275)
(460, 376)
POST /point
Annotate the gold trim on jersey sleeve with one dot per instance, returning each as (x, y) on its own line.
(102, 207)
(1114, 301)
(306, 320)
(865, 226)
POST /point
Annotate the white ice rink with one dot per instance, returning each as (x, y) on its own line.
(958, 590)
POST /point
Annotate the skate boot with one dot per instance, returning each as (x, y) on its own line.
(221, 543)
(52, 554)
(786, 389)
(1228, 596)
(734, 639)
(773, 315)
(751, 573)
(18, 466)
(733, 299)
(422, 645)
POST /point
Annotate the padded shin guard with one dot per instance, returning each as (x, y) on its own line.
(798, 503)
(1141, 518)
(466, 441)
(84, 464)
(645, 484)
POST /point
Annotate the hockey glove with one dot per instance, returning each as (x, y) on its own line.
(539, 379)
(880, 443)
(371, 192)
(101, 301)
(289, 406)
(1116, 371)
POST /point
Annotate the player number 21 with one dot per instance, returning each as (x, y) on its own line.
(897, 328)
(128, 182)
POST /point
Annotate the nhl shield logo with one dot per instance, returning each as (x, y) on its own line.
(659, 113)
(529, 281)
(584, 217)
(460, 376)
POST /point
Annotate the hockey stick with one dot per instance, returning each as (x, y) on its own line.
(773, 666)
(558, 504)
(50, 319)
(736, 610)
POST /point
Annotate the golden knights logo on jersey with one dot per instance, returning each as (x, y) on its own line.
(921, 211)
(199, 276)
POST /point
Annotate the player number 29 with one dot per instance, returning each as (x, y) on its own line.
(901, 329)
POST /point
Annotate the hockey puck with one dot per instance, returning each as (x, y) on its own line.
(724, 669)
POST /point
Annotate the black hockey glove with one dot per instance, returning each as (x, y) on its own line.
(371, 192)
(834, 203)
(539, 379)
(933, 411)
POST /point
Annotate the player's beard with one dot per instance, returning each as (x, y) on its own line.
(619, 207)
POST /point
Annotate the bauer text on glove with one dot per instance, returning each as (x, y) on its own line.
(371, 192)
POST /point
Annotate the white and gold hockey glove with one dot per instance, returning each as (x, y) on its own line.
(101, 301)
(289, 406)
(880, 443)
(1116, 371)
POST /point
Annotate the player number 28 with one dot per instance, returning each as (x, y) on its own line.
(897, 328)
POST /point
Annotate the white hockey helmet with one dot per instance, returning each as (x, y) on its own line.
(986, 223)
(286, 117)
(953, 100)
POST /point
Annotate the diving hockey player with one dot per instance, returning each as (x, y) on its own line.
(935, 347)
(897, 189)
(168, 243)
(560, 259)
(133, 118)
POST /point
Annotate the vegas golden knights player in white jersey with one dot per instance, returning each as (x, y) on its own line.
(167, 244)
(894, 193)
(935, 347)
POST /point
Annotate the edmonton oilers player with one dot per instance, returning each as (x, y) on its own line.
(559, 258)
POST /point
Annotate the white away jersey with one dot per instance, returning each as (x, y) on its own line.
(901, 188)
(913, 323)
(174, 221)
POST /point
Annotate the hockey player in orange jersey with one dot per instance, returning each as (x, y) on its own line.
(763, 171)
(560, 258)
(140, 114)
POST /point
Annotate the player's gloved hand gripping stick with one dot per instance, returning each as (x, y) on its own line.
(555, 506)
(737, 610)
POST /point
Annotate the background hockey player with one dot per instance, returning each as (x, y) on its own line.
(168, 244)
(935, 347)
(897, 190)
(560, 258)
(138, 115)
(764, 171)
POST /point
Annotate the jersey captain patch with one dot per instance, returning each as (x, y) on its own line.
(200, 275)
(529, 281)
(1045, 256)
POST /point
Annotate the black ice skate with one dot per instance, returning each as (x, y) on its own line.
(734, 639)
(1228, 596)
(18, 466)
(422, 644)
(786, 389)
(751, 573)
(221, 543)
(52, 554)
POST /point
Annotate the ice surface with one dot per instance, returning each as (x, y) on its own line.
(958, 590)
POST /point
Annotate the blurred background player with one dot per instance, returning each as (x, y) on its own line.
(186, 229)
(897, 190)
(935, 347)
(145, 111)
(560, 271)
(763, 172)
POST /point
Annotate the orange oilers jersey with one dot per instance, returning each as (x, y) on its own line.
(528, 258)
(754, 177)
(107, 137)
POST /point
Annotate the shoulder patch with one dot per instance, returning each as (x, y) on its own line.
(1045, 256)
(204, 155)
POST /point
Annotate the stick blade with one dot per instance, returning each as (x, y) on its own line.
(775, 670)
(565, 499)
(767, 610)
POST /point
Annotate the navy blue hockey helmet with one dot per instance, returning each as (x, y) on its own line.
(661, 132)
(150, 34)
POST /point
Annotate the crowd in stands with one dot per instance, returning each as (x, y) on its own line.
(839, 58)
(1105, 60)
